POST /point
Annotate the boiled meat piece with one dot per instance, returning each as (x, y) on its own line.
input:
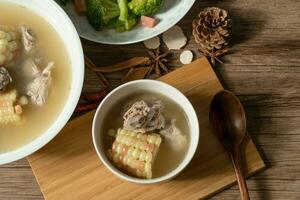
(29, 39)
(173, 136)
(5, 79)
(141, 117)
(38, 89)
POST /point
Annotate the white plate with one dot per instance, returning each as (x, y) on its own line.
(171, 12)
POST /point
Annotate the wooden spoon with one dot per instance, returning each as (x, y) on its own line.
(229, 121)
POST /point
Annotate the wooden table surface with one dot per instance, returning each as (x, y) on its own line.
(263, 69)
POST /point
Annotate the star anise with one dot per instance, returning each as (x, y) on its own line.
(213, 55)
(158, 62)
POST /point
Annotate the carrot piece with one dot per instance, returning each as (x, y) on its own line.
(148, 21)
(80, 7)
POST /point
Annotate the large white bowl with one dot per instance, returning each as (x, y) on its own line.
(52, 13)
(153, 87)
(171, 12)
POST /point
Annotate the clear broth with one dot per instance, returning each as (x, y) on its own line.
(51, 48)
(166, 160)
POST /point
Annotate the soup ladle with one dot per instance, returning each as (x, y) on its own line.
(229, 121)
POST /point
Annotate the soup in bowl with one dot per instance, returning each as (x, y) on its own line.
(145, 131)
(41, 75)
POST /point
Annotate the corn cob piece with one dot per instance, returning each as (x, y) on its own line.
(10, 112)
(9, 44)
(135, 152)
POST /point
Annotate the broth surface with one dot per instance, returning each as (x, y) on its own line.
(50, 47)
(167, 159)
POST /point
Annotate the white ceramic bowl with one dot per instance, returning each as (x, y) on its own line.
(172, 11)
(52, 13)
(154, 87)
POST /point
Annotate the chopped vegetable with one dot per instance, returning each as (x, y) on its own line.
(123, 10)
(135, 152)
(80, 7)
(121, 26)
(148, 21)
(101, 12)
(144, 7)
(122, 15)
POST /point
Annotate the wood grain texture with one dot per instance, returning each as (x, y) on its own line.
(262, 68)
(69, 168)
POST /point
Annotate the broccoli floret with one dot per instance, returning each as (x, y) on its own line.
(126, 20)
(101, 12)
(123, 10)
(144, 7)
(121, 26)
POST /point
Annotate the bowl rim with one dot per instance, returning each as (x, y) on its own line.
(72, 99)
(192, 118)
(180, 16)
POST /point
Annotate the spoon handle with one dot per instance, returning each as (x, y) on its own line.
(236, 161)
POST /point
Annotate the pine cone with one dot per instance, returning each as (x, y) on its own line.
(212, 29)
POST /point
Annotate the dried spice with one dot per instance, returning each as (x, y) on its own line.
(93, 100)
(174, 38)
(152, 43)
(186, 57)
(94, 96)
(135, 74)
(102, 80)
(158, 62)
(83, 107)
(212, 30)
(214, 55)
(133, 62)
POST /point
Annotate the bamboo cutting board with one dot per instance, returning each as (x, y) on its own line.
(69, 168)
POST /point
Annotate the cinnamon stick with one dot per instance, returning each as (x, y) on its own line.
(86, 107)
(80, 7)
(88, 62)
(133, 62)
(135, 74)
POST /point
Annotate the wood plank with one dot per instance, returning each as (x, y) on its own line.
(68, 168)
(266, 41)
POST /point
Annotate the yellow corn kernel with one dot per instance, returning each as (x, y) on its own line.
(135, 152)
(23, 101)
(9, 111)
(9, 44)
